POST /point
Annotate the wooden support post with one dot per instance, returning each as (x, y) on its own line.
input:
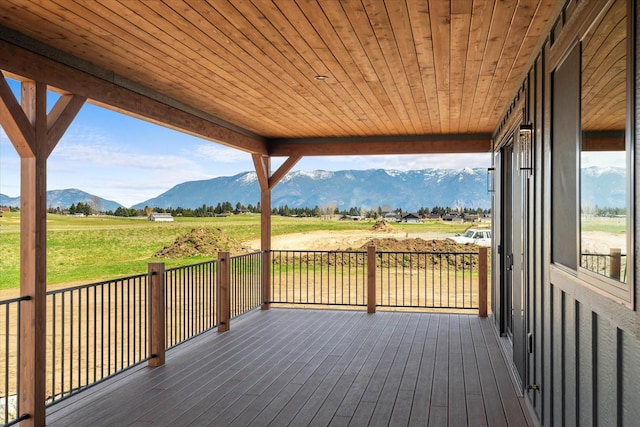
(615, 263)
(224, 294)
(267, 182)
(156, 328)
(263, 171)
(265, 246)
(34, 134)
(482, 282)
(33, 262)
(371, 279)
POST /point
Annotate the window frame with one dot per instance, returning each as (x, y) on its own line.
(618, 291)
(623, 292)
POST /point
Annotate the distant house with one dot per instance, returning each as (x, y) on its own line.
(453, 217)
(392, 216)
(411, 218)
(161, 217)
(471, 217)
(434, 216)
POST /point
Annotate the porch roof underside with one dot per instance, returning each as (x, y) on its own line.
(285, 77)
(317, 367)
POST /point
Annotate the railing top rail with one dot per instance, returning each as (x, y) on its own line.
(317, 251)
(12, 300)
(95, 284)
(428, 252)
(596, 254)
(378, 252)
(247, 254)
(180, 267)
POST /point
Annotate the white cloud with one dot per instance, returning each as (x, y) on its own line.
(222, 154)
(107, 156)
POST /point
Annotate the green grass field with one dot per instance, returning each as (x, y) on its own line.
(89, 249)
(605, 224)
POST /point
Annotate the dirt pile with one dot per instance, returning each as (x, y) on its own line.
(394, 253)
(382, 226)
(420, 253)
(201, 241)
(389, 244)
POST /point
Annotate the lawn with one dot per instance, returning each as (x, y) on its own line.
(89, 249)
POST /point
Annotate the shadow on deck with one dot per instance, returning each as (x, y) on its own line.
(316, 367)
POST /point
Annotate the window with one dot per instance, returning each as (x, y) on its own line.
(592, 156)
(605, 154)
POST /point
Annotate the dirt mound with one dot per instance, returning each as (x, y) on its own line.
(390, 244)
(201, 241)
(382, 226)
(428, 253)
(395, 253)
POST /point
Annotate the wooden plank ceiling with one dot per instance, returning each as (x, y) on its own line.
(292, 69)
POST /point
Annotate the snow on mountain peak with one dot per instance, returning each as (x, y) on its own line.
(248, 178)
(393, 172)
(313, 175)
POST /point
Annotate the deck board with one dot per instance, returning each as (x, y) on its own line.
(316, 367)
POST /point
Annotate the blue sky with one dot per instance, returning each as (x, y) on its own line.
(128, 160)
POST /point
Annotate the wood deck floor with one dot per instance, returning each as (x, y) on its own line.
(316, 367)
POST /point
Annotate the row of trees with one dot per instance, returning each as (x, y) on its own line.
(603, 212)
(74, 209)
(226, 208)
(317, 211)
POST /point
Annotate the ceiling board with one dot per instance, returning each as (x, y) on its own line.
(393, 67)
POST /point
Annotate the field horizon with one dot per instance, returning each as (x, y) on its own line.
(82, 250)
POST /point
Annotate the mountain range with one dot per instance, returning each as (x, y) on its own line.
(408, 190)
(66, 198)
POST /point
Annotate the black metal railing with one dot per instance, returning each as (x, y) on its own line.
(9, 360)
(318, 277)
(443, 280)
(246, 283)
(95, 331)
(190, 301)
(606, 264)
(427, 280)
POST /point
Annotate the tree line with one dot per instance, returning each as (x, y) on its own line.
(227, 208)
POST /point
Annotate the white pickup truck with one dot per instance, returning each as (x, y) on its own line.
(478, 236)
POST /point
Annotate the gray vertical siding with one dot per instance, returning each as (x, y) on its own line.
(586, 352)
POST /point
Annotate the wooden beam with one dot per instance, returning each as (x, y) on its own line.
(283, 170)
(117, 93)
(603, 141)
(14, 121)
(260, 163)
(60, 117)
(380, 145)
